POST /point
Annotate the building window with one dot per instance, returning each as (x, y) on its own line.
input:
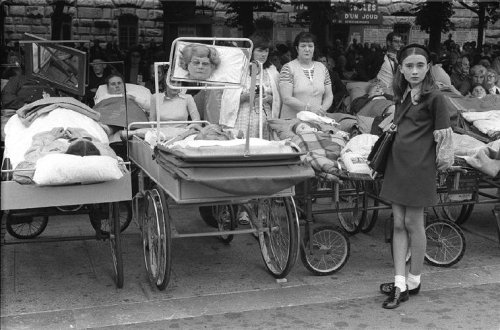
(61, 27)
(128, 28)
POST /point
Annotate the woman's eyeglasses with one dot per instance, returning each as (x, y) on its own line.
(198, 63)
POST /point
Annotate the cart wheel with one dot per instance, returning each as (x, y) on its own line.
(25, 227)
(279, 242)
(350, 197)
(115, 242)
(157, 238)
(445, 243)
(456, 213)
(328, 251)
(207, 215)
(99, 221)
(370, 217)
(226, 220)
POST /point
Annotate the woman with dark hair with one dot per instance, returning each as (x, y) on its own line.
(305, 84)
(422, 146)
(268, 78)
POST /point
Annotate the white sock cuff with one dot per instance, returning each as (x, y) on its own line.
(414, 278)
(400, 282)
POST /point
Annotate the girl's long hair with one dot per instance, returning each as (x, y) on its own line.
(400, 83)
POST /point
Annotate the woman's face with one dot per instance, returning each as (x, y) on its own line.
(414, 68)
(305, 50)
(115, 85)
(200, 68)
(479, 92)
(260, 54)
(477, 77)
(465, 66)
(491, 78)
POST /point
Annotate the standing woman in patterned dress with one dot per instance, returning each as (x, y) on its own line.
(271, 101)
(422, 146)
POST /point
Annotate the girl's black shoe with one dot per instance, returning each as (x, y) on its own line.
(395, 298)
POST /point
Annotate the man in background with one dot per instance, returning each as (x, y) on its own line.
(390, 64)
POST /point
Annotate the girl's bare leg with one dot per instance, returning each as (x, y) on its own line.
(414, 223)
(399, 239)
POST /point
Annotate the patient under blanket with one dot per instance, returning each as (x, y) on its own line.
(114, 112)
(75, 141)
(322, 150)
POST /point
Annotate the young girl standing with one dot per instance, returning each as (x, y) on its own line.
(422, 146)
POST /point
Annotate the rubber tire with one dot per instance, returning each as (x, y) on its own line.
(279, 262)
(308, 256)
(157, 223)
(95, 210)
(434, 232)
(221, 214)
(16, 229)
(350, 221)
(115, 244)
(208, 216)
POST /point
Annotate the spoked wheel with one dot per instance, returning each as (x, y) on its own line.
(25, 227)
(445, 243)
(370, 216)
(99, 221)
(157, 238)
(326, 251)
(279, 242)
(350, 197)
(115, 242)
(456, 213)
(226, 220)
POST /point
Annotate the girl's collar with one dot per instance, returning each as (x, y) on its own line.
(415, 94)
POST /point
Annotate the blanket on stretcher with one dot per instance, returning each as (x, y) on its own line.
(32, 111)
(322, 150)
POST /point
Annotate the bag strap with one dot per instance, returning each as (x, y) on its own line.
(402, 114)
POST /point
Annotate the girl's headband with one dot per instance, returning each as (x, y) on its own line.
(413, 49)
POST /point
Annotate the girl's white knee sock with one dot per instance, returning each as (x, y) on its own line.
(413, 281)
(400, 282)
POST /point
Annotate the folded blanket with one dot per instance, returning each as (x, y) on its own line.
(487, 122)
(489, 102)
(28, 113)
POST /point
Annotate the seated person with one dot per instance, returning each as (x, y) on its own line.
(174, 105)
(199, 61)
(115, 114)
(97, 77)
(375, 91)
(21, 90)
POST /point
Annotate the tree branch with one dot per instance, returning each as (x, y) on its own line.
(469, 7)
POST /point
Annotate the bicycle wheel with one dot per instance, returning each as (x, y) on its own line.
(99, 221)
(370, 216)
(115, 243)
(456, 213)
(445, 243)
(25, 227)
(226, 220)
(279, 244)
(350, 197)
(326, 251)
(157, 238)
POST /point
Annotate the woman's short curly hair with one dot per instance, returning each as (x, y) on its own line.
(198, 50)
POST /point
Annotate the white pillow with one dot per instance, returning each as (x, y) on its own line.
(58, 169)
(142, 93)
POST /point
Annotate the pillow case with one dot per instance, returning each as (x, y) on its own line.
(59, 169)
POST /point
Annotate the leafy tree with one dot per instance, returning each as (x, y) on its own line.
(433, 17)
(241, 12)
(487, 11)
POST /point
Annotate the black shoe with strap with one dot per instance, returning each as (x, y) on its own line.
(386, 288)
(395, 298)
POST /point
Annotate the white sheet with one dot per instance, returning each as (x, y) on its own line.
(18, 138)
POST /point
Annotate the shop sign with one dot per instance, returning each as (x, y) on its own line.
(360, 12)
